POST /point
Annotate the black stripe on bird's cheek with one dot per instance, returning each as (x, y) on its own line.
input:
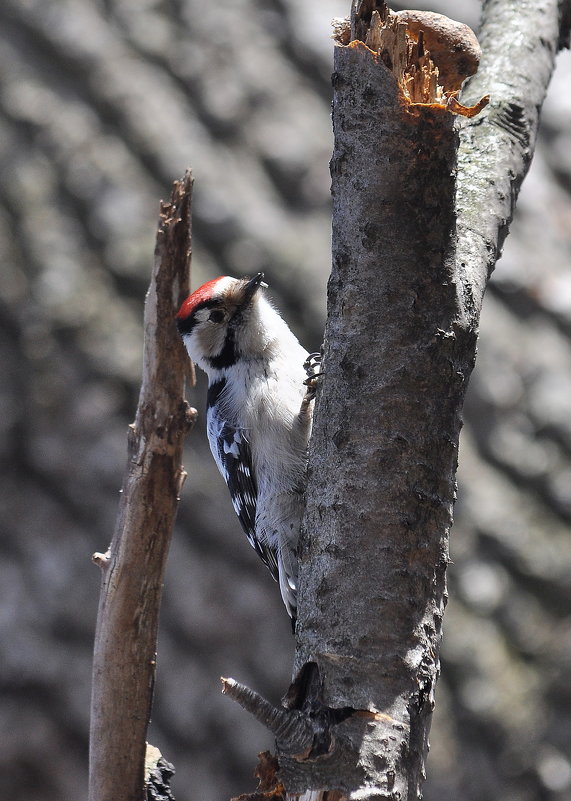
(227, 356)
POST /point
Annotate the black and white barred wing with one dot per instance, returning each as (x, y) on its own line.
(231, 450)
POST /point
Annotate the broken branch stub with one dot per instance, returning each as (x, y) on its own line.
(291, 729)
(429, 54)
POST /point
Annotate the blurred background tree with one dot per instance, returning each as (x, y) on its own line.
(102, 105)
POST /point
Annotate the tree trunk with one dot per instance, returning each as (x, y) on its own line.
(387, 420)
(404, 297)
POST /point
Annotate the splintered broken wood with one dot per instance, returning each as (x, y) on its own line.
(429, 54)
(269, 786)
(271, 789)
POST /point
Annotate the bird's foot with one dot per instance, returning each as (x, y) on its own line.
(312, 367)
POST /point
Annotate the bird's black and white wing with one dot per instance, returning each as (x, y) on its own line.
(231, 450)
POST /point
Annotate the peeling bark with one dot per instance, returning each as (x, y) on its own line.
(133, 567)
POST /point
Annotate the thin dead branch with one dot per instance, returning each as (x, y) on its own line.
(133, 567)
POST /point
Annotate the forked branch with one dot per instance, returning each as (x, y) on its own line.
(412, 252)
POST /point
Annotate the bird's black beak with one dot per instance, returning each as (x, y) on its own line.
(252, 287)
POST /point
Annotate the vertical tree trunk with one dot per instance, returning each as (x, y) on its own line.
(387, 423)
(400, 344)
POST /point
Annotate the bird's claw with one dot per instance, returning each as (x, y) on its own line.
(312, 368)
(312, 363)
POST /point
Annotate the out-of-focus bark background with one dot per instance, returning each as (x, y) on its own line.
(102, 105)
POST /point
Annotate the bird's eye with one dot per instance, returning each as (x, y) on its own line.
(216, 316)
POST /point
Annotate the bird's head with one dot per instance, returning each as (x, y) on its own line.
(223, 321)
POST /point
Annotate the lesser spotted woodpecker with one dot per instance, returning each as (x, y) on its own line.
(259, 413)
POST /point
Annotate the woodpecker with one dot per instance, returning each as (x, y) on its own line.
(261, 384)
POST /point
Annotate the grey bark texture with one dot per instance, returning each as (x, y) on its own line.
(409, 271)
(519, 43)
(133, 568)
(384, 448)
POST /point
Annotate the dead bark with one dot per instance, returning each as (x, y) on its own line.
(133, 567)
